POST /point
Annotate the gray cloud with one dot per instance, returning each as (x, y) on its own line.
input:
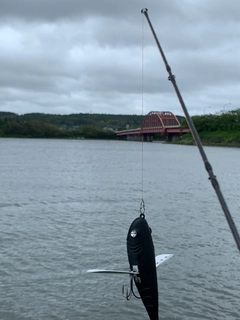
(87, 56)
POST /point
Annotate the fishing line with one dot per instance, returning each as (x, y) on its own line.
(142, 204)
(195, 135)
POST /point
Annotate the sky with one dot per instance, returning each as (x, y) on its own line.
(99, 56)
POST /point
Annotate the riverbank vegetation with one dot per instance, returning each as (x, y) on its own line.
(36, 129)
(222, 129)
(76, 126)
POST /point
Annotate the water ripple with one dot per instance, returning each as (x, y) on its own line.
(66, 207)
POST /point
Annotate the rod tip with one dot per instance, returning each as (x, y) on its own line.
(144, 10)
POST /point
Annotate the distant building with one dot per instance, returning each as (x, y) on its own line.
(107, 128)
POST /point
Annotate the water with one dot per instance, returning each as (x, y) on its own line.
(66, 206)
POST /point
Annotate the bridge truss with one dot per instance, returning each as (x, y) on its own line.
(159, 121)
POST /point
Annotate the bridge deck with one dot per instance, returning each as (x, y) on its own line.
(139, 131)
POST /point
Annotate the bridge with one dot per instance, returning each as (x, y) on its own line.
(163, 123)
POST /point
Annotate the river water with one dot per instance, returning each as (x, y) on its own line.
(66, 206)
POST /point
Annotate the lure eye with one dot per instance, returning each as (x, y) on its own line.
(133, 233)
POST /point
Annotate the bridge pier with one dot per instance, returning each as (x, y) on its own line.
(172, 137)
(134, 137)
(139, 137)
(148, 137)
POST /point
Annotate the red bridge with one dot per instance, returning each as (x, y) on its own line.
(164, 123)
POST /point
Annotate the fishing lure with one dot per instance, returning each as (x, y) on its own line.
(142, 266)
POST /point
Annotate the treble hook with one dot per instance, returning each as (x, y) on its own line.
(126, 295)
(129, 292)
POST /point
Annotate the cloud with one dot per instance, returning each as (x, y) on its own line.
(100, 56)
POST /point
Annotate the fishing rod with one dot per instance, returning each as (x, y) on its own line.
(195, 135)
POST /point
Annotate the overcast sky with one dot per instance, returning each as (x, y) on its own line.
(82, 56)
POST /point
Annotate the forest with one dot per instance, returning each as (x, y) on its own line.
(82, 125)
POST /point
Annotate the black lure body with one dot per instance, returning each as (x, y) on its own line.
(141, 258)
